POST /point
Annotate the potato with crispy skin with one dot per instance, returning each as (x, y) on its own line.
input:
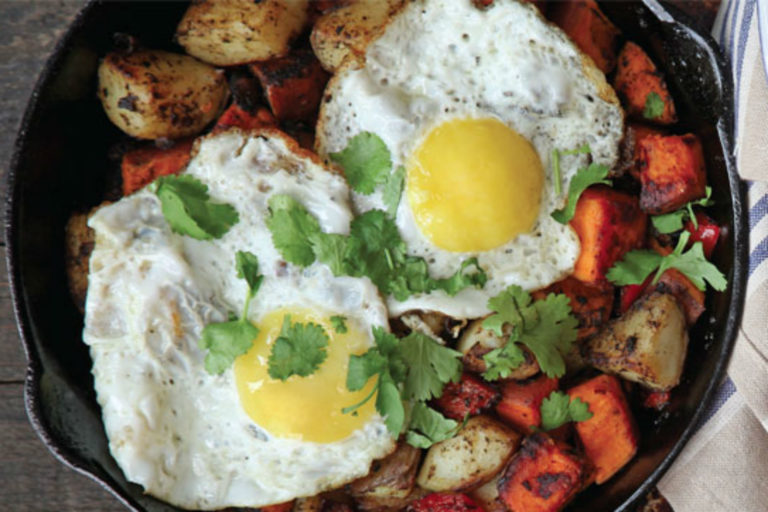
(487, 495)
(152, 94)
(471, 458)
(391, 480)
(476, 341)
(349, 29)
(647, 344)
(233, 32)
(638, 84)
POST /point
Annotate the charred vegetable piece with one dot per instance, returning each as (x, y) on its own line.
(610, 436)
(390, 480)
(637, 132)
(543, 477)
(142, 166)
(641, 87)
(479, 451)
(444, 502)
(672, 172)
(590, 304)
(232, 32)
(468, 397)
(237, 117)
(521, 401)
(647, 344)
(293, 85)
(589, 29)
(609, 224)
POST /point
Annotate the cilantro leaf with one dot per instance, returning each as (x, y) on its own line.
(592, 175)
(462, 279)
(393, 190)
(366, 162)
(556, 154)
(637, 265)
(187, 207)
(225, 341)
(293, 229)
(299, 350)
(362, 367)
(339, 323)
(673, 221)
(331, 249)
(545, 326)
(428, 427)
(558, 409)
(390, 404)
(500, 362)
(654, 106)
(430, 366)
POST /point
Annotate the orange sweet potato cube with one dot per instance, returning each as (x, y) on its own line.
(521, 400)
(609, 223)
(543, 476)
(142, 166)
(235, 116)
(672, 172)
(589, 29)
(293, 85)
(591, 304)
(636, 132)
(637, 80)
(610, 436)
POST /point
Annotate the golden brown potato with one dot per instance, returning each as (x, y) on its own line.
(476, 341)
(78, 240)
(151, 94)
(647, 344)
(349, 29)
(487, 495)
(233, 32)
(390, 481)
(471, 458)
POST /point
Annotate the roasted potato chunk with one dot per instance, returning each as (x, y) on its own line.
(79, 240)
(476, 341)
(471, 458)
(151, 94)
(487, 496)
(349, 30)
(647, 344)
(232, 32)
(390, 481)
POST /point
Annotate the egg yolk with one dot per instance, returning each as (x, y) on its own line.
(474, 185)
(305, 408)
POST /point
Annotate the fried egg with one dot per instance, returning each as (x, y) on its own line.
(472, 103)
(205, 441)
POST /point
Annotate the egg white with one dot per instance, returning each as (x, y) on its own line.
(173, 428)
(444, 59)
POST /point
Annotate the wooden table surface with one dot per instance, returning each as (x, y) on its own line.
(30, 477)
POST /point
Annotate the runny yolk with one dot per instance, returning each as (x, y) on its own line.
(474, 184)
(306, 408)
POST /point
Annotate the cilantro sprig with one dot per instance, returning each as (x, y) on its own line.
(188, 208)
(408, 372)
(373, 249)
(654, 106)
(300, 349)
(593, 174)
(638, 265)
(545, 326)
(556, 154)
(674, 221)
(558, 409)
(225, 341)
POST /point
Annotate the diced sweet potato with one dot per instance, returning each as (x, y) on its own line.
(235, 116)
(672, 172)
(293, 85)
(610, 436)
(468, 397)
(636, 132)
(444, 502)
(591, 304)
(543, 476)
(521, 400)
(142, 166)
(638, 83)
(609, 224)
(589, 29)
(707, 232)
(690, 298)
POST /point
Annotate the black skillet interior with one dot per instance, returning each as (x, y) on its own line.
(61, 154)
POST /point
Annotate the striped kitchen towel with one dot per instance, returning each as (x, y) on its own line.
(724, 467)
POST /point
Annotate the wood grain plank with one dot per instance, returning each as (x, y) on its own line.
(31, 479)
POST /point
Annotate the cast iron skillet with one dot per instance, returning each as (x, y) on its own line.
(58, 166)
